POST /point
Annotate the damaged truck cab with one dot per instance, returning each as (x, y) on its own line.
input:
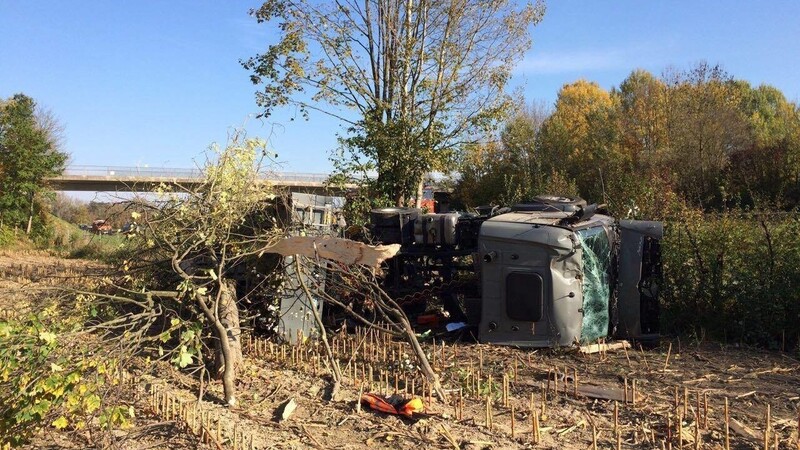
(554, 278)
(551, 272)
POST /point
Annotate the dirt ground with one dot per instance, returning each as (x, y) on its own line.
(675, 380)
(20, 269)
(750, 380)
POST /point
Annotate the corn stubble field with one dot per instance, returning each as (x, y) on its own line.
(677, 395)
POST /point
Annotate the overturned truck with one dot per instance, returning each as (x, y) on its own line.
(554, 271)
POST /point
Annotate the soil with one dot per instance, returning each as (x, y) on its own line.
(706, 373)
(21, 269)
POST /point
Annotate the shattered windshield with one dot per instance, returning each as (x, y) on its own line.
(596, 282)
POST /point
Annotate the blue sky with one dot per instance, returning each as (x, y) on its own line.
(154, 83)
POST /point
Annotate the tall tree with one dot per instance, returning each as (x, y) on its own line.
(766, 170)
(582, 137)
(704, 128)
(28, 154)
(508, 170)
(482, 175)
(641, 99)
(525, 163)
(696, 134)
(413, 78)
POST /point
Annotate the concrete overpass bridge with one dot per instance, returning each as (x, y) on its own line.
(147, 179)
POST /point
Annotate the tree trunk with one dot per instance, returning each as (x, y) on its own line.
(30, 217)
(227, 346)
(420, 191)
(229, 317)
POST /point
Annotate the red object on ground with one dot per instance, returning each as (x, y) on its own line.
(431, 320)
(407, 408)
(378, 403)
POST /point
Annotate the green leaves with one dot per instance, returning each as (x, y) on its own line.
(117, 417)
(29, 154)
(733, 276)
(184, 357)
(60, 423)
(188, 336)
(91, 403)
(47, 337)
(5, 329)
(43, 381)
(409, 99)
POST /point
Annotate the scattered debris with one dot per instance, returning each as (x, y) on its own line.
(773, 370)
(747, 394)
(744, 431)
(581, 423)
(598, 348)
(449, 437)
(431, 320)
(596, 392)
(454, 326)
(287, 408)
(314, 440)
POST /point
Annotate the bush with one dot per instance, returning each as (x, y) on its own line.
(733, 275)
(7, 238)
(93, 249)
(52, 376)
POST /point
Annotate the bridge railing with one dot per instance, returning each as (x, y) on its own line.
(180, 173)
(129, 171)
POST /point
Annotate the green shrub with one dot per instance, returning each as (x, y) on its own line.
(734, 276)
(7, 237)
(101, 248)
(49, 376)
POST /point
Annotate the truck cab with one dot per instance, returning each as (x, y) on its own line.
(556, 278)
(553, 271)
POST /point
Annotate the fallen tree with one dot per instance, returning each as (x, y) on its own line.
(192, 241)
(193, 245)
(334, 249)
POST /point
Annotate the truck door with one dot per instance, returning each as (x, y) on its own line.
(638, 279)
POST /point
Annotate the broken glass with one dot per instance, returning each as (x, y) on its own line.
(596, 282)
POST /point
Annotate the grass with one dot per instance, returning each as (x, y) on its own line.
(7, 238)
(70, 241)
(16, 240)
(66, 240)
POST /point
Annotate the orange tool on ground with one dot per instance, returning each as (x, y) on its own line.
(406, 408)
